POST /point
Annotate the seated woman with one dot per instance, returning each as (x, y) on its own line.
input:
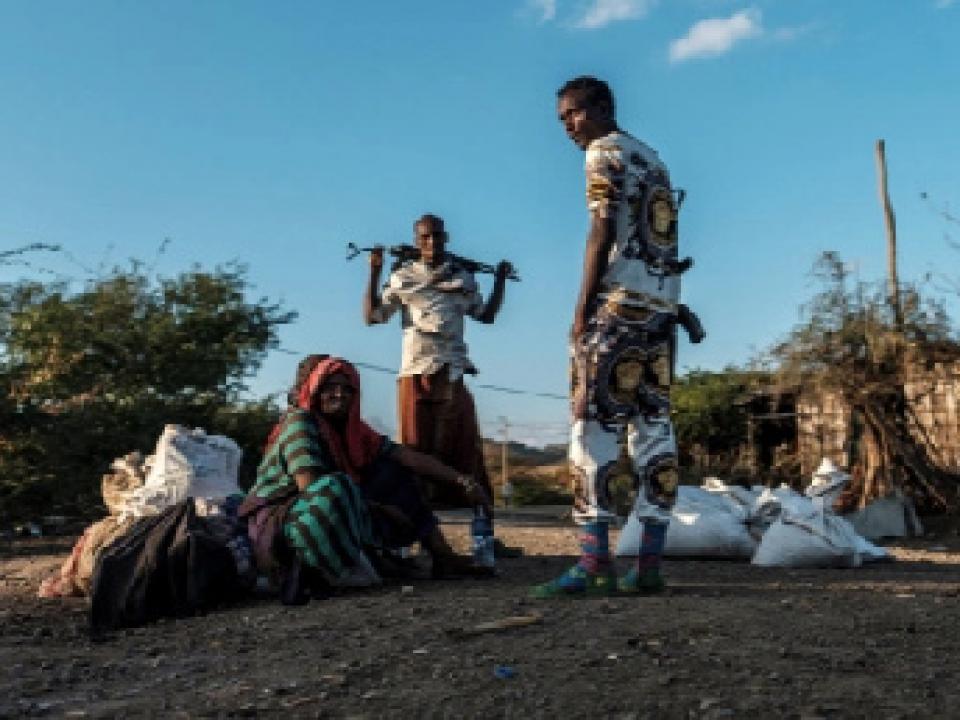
(324, 470)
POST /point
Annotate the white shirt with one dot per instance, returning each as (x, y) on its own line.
(433, 303)
(619, 170)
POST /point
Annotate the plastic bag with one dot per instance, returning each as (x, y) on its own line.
(187, 463)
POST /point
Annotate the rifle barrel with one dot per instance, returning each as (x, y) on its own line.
(404, 252)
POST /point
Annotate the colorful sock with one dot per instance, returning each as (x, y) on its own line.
(592, 575)
(645, 576)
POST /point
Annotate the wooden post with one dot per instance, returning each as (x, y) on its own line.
(893, 284)
(506, 489)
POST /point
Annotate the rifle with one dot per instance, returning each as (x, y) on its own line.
(403, 253)
(688, 320)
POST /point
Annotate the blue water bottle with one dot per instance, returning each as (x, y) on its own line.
(481, 528)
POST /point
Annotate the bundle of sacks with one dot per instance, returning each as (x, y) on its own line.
(185, 464)
(772, 527)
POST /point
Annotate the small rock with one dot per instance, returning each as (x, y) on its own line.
(335, 679)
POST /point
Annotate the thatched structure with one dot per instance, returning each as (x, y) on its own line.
(791, 430)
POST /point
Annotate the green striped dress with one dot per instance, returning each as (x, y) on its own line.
(328, 525)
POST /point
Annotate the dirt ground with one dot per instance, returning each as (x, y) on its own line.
(727, 640)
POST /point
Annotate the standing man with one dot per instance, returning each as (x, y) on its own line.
(434, 293)
(622, 341)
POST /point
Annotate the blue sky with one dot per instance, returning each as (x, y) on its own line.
(273, 133)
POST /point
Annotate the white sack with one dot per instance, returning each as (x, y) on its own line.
(723, 521)
(814, 539)
(702, 524)
(827, 482)
(772, 503)
(888, 517)
(187, 463)
(828, 490)
(740, 497)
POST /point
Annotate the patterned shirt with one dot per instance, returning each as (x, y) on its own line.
(433, 303)
(620, 172)
(298, 447)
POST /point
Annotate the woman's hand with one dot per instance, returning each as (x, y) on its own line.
(476, 493)
(304, 479)
(429, 466)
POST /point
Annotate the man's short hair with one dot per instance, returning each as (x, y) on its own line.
(595, 91)
(428, 218)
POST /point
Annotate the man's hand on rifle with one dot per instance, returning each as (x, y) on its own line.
(376, 259)
(501, 272)
(371, 297)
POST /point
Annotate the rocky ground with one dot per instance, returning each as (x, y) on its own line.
(727, 640)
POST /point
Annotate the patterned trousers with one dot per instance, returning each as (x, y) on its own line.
(623, 452)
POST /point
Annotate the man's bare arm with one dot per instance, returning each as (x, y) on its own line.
(371, 298)
(495, 300)
(599, 240)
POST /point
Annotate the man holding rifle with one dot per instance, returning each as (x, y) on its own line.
(434, 293)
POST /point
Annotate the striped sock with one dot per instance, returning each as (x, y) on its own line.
(593, 572)
(651, 546)
(644, 577)
(594, 548)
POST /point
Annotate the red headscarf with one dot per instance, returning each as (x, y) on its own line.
(357, 446)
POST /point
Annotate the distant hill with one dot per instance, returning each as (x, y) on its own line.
(520, 455)
(538, 476)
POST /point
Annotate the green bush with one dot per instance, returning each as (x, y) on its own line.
(535, 490)
(91, 374)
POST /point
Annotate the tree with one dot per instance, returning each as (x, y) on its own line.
(91, 374)
(850, 346)
(709, 417)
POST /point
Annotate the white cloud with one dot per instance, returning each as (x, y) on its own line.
(601, 13)
(716, 36)
(545, 9)
(941, 4)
